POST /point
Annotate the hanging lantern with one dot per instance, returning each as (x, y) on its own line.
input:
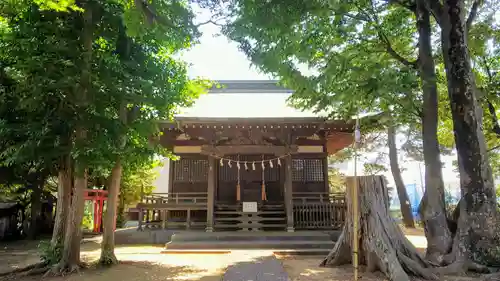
(246, 166)
(270, 163)
(279, 162)
(253, 166)
(229, 164)
(221, 162)
(238, 164)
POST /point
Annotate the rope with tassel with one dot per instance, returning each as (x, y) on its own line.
(238, 186)
(263, 191)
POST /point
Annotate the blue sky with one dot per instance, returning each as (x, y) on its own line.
(217, 58)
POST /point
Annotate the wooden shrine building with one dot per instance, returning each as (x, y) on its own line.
(249, 174)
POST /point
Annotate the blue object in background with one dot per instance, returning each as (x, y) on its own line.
(414, 195)
(415, 198)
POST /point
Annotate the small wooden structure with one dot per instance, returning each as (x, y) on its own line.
(10, 220)
(249, 174)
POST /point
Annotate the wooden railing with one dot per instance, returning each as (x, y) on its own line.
(306, 197)
(318, 210)
(162, 210)
(175, 198)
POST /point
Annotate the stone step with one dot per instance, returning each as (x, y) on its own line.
(257, 213)
(249, 225)
(235, 245)
(251, 237)
(253, 219)
(284, 252)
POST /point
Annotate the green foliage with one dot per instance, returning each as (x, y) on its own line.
(133, 67)
(48, 254)
(333, 53)
(137, 180)
(336, 181)
(374, 168)
(88, 218)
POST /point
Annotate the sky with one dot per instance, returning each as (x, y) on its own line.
(217, 58)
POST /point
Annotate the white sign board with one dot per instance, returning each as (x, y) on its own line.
(250, 207)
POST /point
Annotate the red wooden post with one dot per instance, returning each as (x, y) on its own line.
(96, 215)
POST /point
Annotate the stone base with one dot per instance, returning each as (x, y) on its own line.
(209, 229)
(290, 229)
(308, 242)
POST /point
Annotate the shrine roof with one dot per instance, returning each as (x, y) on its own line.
(216, 122)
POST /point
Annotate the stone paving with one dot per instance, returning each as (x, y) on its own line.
(267, 268)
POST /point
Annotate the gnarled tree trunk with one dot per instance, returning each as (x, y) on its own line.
(383, 246)
(478, 208)
(108, 238)
(404, 201)
(433, 211)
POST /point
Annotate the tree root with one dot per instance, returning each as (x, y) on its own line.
(461, 267)
(491, 277)
(63, 270)
(108, 259)
(24, 269)
(382, 245)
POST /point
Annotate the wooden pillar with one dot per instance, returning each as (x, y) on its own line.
(325, 174)
(188, 219)
(288, 194)
(164, 219)
(210, 194)
(141, 211)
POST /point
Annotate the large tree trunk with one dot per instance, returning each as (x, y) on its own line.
(404, 201)
(70, 260)
(433, 211)
(64, 187)
(108, 238)
(478, 210)
(383, 246)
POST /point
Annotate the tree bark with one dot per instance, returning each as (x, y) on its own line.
(70, 260)
(433, 211)
(64, 187)
(108, 238)
(382, 243)
(404, 201)
(108, 256)
(478, 209)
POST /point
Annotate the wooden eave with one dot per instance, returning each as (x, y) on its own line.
(312, 123)
(334, 134)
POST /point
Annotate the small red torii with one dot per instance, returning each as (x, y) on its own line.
(98, 197)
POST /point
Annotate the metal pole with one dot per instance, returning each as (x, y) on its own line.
(355, 242)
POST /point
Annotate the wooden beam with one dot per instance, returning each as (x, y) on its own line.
(248, 149)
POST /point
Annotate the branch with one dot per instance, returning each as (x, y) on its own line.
(387, 42)
(212, 21)
(410, 5)
(493, 148)
(436, 9)
(152, 16)
(494, 118)
(472, 14)
(394, 54)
